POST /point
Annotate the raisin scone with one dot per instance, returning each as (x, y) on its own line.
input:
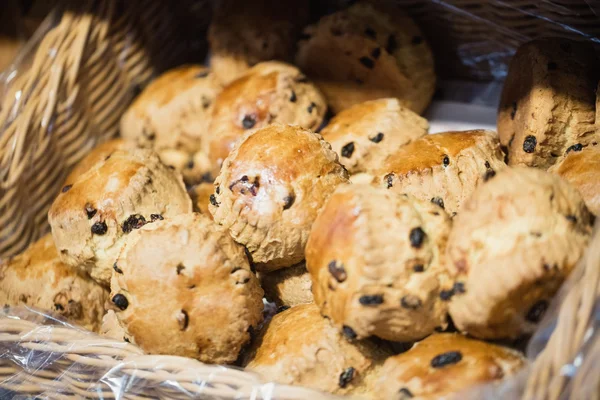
(96, 155)
(365, 52)
(93, 215)
(300, 347)
(288, 287)
(269, 92)
(243, 33)
(444, 168)
(270, 190)
(581, 168)
(548, 101)
(376, 259)
(443, 365)
(366, 133)
(182, 286)
(37, 278)
(513, 244)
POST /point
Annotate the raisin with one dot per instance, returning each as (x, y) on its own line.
(487, 165)
(126, 340)
(575, 147)
(571, 218)
(438, 200)
(65, 189)
(135, 221)
(154, 217)
(418, 268)
(213, 200)
(179, 268)
(346, 377)
(404, 393)
(410, 302)
(375, 53)
(367, 62)
(90, 211)
(529, 144)
(389, 179)
(392, 44)
(288, 201)
(552, 66)
(311, 107)
(417, 40)
(371, 300)
(202, 74)
(243, 185)
(370, 32)
(537, 311)
(99, 228)
(347, 150)
(459, 287)
(337, 271)
(489, 174)
(417, 236)
(446, 161)
(248, 121)
(117, 269)
(446, 295)
(183, 320)
(349, 332)
(293, 97)
(59, 307)
(190, 164)
(444, 359)
(120, 301)
(377, 138)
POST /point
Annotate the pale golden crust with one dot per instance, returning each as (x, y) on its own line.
(200, 195)
(243, 33)
(547, 103)
(444, 168)
(188, 290)
(365, 52)
(270, 92)
(445, 364)
(376, 259)
(37, 278)
(366, 133)
(513, 244)
(96, 155)
(92, 216)
(288, 286)
(582, 170)
(173, 111)
(271, 188)
(300, 347)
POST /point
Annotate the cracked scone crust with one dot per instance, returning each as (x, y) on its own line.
(300, 347)
(513, 244)
(365, 134)
(270, 92)
(270, 190)
(96, 155)
(37, 278)
(547, 102)
(376, 259)
(443, 365)
(289, 286)
(92, 216)
(183, 287)
(367, 52)
(444, 168)
(581, 168)
(243, 33)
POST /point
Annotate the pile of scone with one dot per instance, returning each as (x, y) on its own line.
(365, 235)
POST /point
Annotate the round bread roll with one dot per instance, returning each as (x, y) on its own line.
(37, 278)
(365, 52)
(96, 155)
(243, 33)
(93, 215)
(300, 347)
(271, 188)
(513, 244)
(365, 134)
(269, 92)
(547, 102)
(445, 364)
(200, 195)
(376, 259)
(183, 287)
(288, 287)
(444, 168)
(581, 168)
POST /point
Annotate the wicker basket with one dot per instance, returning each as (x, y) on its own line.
(67, 93)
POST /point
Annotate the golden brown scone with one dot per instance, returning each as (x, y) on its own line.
(445, 364)
(269, 92)
(200, 195)
(300, 347)
(547, 103)
(37, 278)
(93, 215)
(98, 154)
(376, 259)
(243, 33)
(365, 52)
(512, 246)
(444, 168)
(183, 287)
(366, 133)
(271, 188)
(172, 114)
(581, 168)
(288, 287)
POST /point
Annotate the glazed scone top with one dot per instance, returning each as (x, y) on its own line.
(173, 112)
(97, 154)
(182, 286)
(445, 364)
(377, 263)
(513, 244)
(270, 190)
(368, 51)
(37, 278)
(300, 347)
(364, 134)
(581, 168)
(444, 168)
(270, 92)
(92, 215)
